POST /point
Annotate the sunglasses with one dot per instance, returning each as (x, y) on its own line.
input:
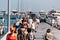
(24, 24)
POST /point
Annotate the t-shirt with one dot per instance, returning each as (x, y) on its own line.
(30, 21)
(37, 20)
(9, 37)
(33, 25)
(53, 21)
(3, 20)
(17, 23)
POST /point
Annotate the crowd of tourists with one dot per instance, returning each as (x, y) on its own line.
(24, 29)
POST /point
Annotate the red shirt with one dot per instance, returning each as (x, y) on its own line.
(10, 37)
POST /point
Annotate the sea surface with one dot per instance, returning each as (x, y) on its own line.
(12, 21)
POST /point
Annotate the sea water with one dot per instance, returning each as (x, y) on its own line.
(12, 21)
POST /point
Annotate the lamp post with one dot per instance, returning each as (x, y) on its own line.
(21, 4)
(8, 25)
(18, 5)
(18, 8)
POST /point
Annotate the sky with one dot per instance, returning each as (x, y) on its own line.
(34, 5)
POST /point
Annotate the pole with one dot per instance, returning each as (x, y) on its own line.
(18, 5)
(8, 25)
(21, 5)
(18, 8)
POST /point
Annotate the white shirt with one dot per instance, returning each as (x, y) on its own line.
(53, 21)
(17, 23)
(30, 21)
(33, 25)
(3, 20)
(37, 20)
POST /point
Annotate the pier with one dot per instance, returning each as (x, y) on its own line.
(41, 30)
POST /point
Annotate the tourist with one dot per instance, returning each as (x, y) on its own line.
(37, 22)
(12, 35)
(49, 35)
(22, 33)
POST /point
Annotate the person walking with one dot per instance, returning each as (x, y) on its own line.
(49, 35)
(12, 35)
